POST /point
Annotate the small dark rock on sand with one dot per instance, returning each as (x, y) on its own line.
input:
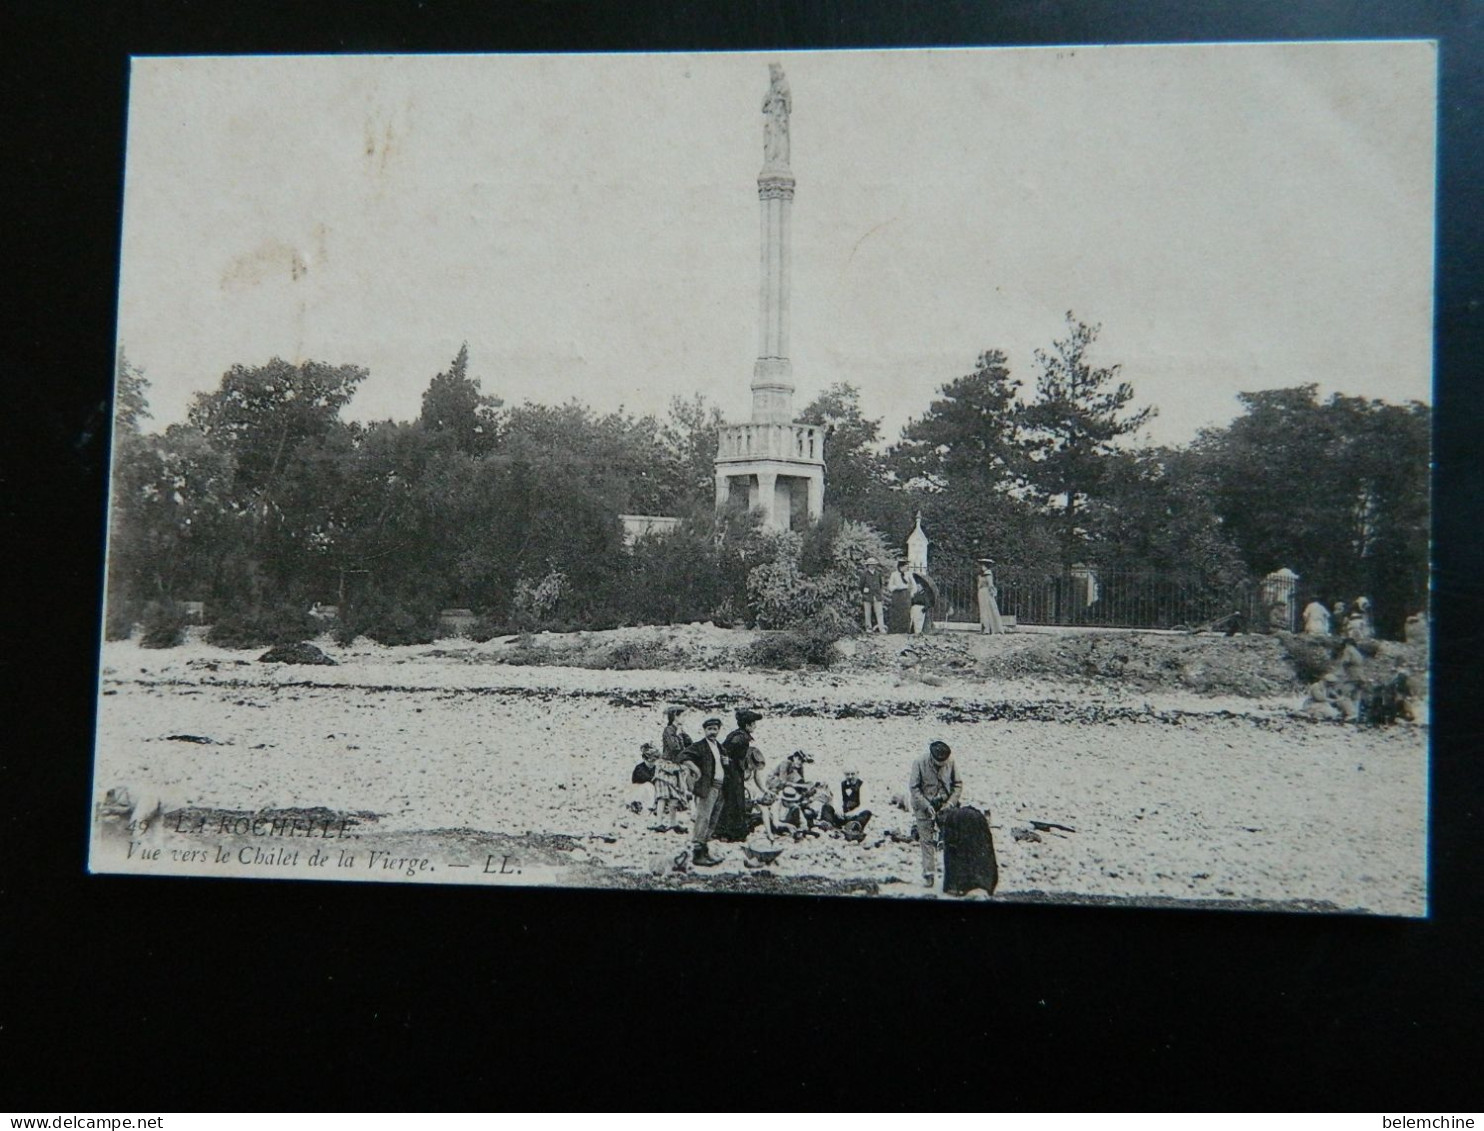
(294, 654)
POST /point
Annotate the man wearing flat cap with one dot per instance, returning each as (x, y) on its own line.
(705, 755)
(933, 786)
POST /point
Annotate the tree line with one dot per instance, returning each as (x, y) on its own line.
(265, 500)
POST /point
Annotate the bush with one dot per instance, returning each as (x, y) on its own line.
(783, 593)
(638, 656)
(778, 592)
(783, 649)
(817, 548)
(487, 628)
(162, 626)
(780, 595)
(674, 578)
(536, 602)
(263, 625)
(526, 651)
(401, 627)
(1311, 656)
(294, 654)
(810, 644)
(387, 622)
(724, 615)
(852, 544)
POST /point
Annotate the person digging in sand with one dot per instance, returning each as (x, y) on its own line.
(933, 786)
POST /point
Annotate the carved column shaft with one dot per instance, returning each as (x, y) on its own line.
(772, 375)
(773, 296)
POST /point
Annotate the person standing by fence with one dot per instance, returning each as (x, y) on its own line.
(924, 601)
(1337, 618)
(1358, 624)
(872, 586)
(1316, 618)
(988, 597)
(900, 586)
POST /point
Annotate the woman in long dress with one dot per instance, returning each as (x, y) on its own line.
(989, 606)
(733, 819)
(899, 588)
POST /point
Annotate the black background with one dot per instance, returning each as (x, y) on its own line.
(133, 994)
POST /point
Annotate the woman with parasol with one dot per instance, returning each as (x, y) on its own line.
(924, 600)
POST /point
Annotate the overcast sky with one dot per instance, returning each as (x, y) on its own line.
(1237, 217)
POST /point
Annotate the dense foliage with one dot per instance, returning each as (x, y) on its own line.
(1336, 489)
(266, 502)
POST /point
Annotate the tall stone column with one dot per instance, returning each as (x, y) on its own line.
(772, 374)
(772, 453)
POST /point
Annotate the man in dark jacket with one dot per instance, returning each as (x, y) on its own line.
(705, 755)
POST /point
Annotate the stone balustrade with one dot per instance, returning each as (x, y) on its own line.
(771, 441)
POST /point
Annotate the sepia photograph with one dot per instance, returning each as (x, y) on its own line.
(993, 474)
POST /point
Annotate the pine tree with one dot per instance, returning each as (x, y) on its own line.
(454, 406)
(1072, 427)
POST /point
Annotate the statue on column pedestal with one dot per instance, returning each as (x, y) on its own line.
(776, 108)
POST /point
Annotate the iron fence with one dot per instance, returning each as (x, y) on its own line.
(1113, 599)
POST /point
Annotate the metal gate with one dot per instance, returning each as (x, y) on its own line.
(1111, 599)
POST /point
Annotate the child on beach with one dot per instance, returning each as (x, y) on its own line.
(641, 794)
(671, 792)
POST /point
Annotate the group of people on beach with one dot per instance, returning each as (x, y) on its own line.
(720, 780)
(1346, 692)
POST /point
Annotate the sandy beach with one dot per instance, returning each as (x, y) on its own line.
(476, 771)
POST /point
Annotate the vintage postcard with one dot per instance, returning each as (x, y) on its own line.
(989, 474)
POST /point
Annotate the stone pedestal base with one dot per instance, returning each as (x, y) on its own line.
(780, 489)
